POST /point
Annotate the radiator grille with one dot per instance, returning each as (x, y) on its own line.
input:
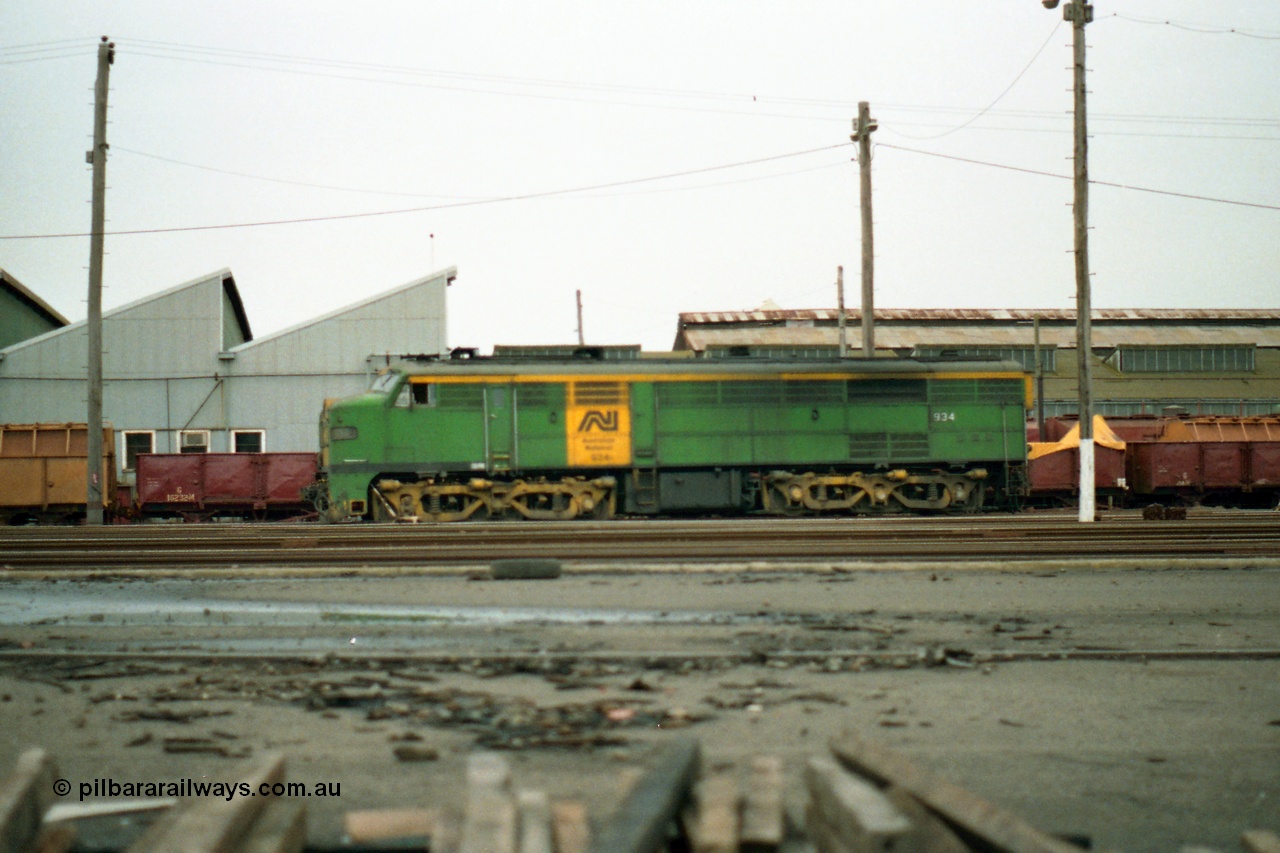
(888, 445)
(599, 393)
(460, 396)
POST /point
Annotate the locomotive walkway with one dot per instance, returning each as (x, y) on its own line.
(625, 543)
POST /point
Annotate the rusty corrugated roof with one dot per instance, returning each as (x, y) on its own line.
(910, 335)
(985, 315)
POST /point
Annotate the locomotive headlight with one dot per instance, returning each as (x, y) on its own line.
(344, 433)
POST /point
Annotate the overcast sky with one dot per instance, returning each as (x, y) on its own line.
(661, 157)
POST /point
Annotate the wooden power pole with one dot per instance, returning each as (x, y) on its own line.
(581, 337)
(98, 157)
(1079, 14)
(840, 313)
(862, 129)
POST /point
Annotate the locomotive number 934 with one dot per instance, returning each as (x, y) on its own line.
(561, 438)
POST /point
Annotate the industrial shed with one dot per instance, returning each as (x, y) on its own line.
(182, 371)
(1212, 361)
(23, 315)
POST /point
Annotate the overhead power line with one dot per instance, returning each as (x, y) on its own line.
(1091, 180)
(999, 97)
(754, 105)
(456, 204)
(368, 191)
(1203, 29)
(46, 45)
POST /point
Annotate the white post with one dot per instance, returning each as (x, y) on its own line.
(1088, 500)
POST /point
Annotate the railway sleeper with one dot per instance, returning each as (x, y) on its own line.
(786, 493)
(540, 499)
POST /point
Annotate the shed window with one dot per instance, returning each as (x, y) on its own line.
(1023, 355)
(135, 443)
(193, 441)
(248, 441)
(1185, 359)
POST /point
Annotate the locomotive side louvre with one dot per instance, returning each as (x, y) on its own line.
(469, 442)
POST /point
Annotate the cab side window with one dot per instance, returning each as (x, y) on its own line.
(424, 394)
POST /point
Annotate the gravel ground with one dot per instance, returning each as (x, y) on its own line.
(1160, 728)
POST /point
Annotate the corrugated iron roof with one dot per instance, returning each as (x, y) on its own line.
(983, 315)
(910, 335)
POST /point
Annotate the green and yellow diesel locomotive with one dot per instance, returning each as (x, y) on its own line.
(560, 438)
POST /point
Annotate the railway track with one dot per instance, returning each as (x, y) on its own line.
(181, 547)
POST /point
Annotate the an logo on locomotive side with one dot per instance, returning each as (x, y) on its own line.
(596, 419)
(597, 423)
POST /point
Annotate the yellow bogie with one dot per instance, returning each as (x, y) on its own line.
(540, 499)
(786, 493)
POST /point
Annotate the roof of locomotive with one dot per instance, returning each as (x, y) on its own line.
(487, 366)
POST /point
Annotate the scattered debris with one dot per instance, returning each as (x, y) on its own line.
(415, 752)
(204, 745)
(165, 715)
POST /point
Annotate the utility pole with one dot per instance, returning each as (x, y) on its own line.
(98, 157)
(862, 129)
(840, 315)
(1079, 14)
(581, 341)
(1035, 325)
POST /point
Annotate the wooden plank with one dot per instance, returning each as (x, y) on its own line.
(280, 828)
(569, 827)
(963, 809)
(488, 770)
(24, 795)
(535, 821)
(820, 833)
(212, 824)
(763, 816)
(55, 838)
(856, 810)
(489, 825)
(448, 833)
(1260, 841)
(928, 832)
(711, 820)
(373, 825)
(642, 821)
(103, 808)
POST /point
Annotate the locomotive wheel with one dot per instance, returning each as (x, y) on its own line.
(776, 502)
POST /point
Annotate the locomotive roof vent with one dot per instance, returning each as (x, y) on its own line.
(460, 353)
(609, 352)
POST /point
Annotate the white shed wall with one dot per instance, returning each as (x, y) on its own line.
(167, 367)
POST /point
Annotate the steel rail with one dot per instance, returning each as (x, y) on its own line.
(213, 546)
